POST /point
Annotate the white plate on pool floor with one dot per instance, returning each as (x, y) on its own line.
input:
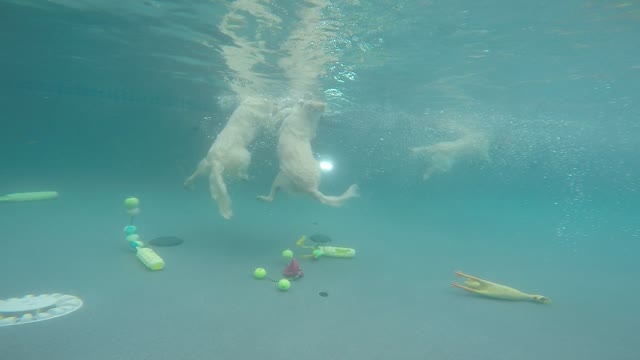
(33, 308)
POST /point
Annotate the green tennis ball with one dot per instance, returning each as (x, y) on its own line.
(287, 254)
(260, 273)
(131, 203)
(284, 284)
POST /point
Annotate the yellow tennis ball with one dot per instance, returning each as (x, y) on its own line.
(260, 273)
(287, 254)
(131, 203)
(284, 284)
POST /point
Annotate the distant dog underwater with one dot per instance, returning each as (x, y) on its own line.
(442, 156)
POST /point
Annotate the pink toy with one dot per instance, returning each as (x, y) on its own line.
(293, 271)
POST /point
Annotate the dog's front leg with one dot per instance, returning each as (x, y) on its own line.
(202, 169)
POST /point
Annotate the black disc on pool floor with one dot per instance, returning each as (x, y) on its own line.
(320, 238)
(323, 293)
(166, 241)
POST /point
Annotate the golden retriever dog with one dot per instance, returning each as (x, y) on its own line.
(228, 156)
(299, 169)
(442, 156)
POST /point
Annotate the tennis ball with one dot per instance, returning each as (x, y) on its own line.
(131, 203)
(284, 284)
(260, 273)
(287, 254)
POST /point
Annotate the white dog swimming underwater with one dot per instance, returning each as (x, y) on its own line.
(228, 155)
(299, 169)
(442, 156)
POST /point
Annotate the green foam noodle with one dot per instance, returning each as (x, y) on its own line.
(29, 196)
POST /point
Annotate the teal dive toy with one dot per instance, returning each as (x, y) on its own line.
(146, 255)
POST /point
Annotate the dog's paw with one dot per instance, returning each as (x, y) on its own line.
(264, 198)
(188, 184)
(226, 213)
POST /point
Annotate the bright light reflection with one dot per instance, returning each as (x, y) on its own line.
(326, 166)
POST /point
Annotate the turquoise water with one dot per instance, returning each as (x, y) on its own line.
(104, 100)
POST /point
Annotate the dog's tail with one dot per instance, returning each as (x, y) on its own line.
(352, 191)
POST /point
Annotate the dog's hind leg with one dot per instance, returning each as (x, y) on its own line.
(421, 149)
(275, 187)
(352, 191)
(219, 191)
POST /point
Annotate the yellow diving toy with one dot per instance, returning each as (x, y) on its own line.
(29, 196)
(149, 258)
(497, 291)
(146, 255)
(323, 250)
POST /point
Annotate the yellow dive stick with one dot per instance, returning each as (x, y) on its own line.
(146, 255)
(331, 251)
(149, 258)
(29, 196)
